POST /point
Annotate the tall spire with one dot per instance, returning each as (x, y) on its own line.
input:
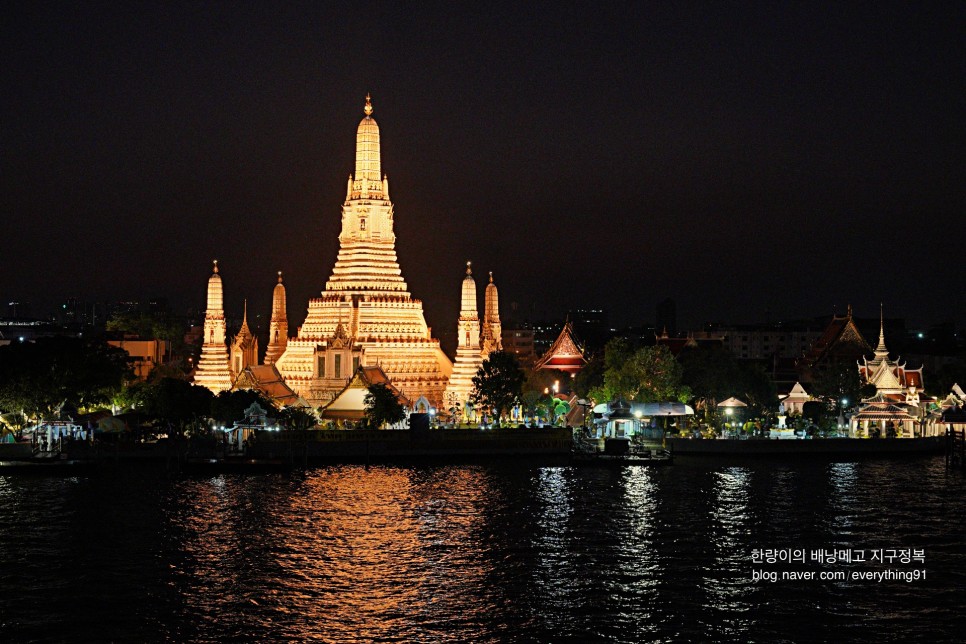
(215, 291)
(213, 370)
(468, 300)
(367, 152)
(492, 329)
(881, 349)
(244, 327)
(278, 325)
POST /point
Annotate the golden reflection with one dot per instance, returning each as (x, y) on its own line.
(368, 551)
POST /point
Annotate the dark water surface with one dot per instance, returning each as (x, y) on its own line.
(503, 552)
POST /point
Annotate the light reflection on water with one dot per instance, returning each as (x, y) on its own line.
(474, 553)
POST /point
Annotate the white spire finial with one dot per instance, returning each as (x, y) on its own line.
(468, 271)
(491, 277)
(881, 349)
(368, 108)
(280, 277)
(215, 261)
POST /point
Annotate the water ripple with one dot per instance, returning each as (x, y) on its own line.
(479, 553)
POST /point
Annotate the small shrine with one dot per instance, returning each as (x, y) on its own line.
(243, 432)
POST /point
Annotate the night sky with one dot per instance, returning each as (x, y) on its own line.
(751, 161)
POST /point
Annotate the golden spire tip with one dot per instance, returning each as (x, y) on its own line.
(368, 108)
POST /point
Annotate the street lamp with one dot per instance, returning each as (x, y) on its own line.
(843, 403)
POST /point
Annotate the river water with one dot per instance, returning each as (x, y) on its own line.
(504, 551)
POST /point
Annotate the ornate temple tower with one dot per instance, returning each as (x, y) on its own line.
(492, 329)
(366, 315)
(244, 348)
(212, 370)
(890, 377)
(468, 356)
(278, 326)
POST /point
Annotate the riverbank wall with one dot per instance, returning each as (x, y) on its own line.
(377, 445)
(826, 446)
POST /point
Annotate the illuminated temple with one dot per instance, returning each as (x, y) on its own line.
(213, 367)
(366, 315)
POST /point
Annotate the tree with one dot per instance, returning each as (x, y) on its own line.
(657, 376)
(647, 374)
(498, 383)
(712, 373)
(759, 390)
(591, 376)
(531, 402)
(181, 406)
(383, 406)
(229, 406)
(297, 418)
(52, 374)
(149, 325)
(840, 380)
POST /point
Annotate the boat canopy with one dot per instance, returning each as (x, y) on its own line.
(650, 410)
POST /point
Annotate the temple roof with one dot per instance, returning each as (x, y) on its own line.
(883, 410)
(564, 354)
(840, 339)
(267, 380)
(350, 402)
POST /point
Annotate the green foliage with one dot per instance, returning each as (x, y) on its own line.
(590, 377)
(647, 374)
(60, 373)
(229, 406)
(382, 406)
(714, 374)
(531, 401)
(297, 418)
(498, 384)
(658, 375)
(942, 380)
(840, 380)
(759, 390)
(145, 325)
(177, 404)
(814, 411)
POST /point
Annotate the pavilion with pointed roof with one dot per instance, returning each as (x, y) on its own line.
(565, 354)
(890, 377)
(350, 403)
(885, 417)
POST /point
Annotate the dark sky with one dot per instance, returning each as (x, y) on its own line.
(749, 160)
